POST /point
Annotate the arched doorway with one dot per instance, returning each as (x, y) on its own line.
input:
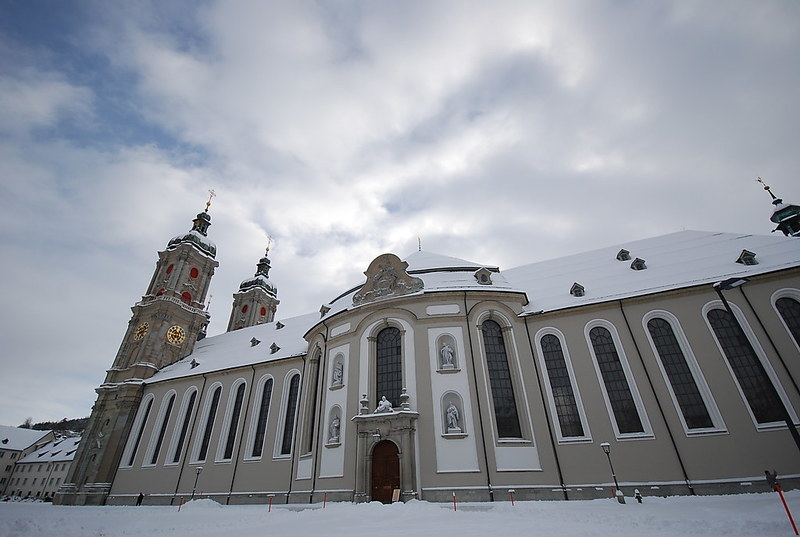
(385, 471)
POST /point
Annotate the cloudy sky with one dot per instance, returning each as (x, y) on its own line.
(500, 132)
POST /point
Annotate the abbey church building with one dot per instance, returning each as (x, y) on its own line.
(435, 375)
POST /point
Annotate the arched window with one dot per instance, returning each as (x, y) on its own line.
(750, 374)
(569, 418)
(261, 423)
(233, 422)
(789, 310)
(388, 365)
(163, 429)
(291, 413)
(208, 426)
(615, 381)
(505, 403)
(141, 421)
(679, 374)
(186, 297)
(185, 419)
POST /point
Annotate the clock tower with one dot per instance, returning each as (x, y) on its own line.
(257, 299)
(164, 327)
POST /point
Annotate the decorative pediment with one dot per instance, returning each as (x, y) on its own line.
(386, 277)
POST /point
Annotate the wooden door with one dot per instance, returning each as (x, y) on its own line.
(385, 471)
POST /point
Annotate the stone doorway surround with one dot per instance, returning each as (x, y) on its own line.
(398, 427)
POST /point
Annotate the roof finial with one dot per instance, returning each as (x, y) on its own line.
(211, 194)
(269, 243)
(766, 187)
(208, 303)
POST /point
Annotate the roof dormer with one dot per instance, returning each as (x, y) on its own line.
(747, 258)
(623, 255)
(577, 290)
(638, 264)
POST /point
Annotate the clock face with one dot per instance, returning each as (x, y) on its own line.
(176, 334)
(141, 331)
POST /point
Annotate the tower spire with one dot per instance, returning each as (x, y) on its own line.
(785, 215)
(257, 299)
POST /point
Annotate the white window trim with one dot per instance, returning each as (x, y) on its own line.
(785, 293)
(226, 423)
(279, 432)
(137, 424)
(198, 438)
(151, 445)
(626, 368)
(515, 368)
(251, 433)
(587, 435)
(760, 354)
(176, 432)
(694, 367)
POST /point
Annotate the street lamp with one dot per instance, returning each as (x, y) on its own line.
(196, 477)
(607, 450)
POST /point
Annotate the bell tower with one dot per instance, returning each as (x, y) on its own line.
(786, 215)
(165, 325)
(257, 299)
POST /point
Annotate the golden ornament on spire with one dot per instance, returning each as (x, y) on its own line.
(211, 194)
(269, 243)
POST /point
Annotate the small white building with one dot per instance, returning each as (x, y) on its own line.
(15, 444)
(40, 473)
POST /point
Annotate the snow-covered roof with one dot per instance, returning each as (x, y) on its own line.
(60, 450)
(235, 349)
(18, 439)
(674, 261)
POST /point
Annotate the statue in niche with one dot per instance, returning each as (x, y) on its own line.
(447, 355)
(452, 418)
(333, 430)
(338, 373)
(384, 405)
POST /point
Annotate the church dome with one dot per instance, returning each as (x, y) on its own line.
(197, 236)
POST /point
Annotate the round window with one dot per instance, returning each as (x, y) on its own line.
(194, 272)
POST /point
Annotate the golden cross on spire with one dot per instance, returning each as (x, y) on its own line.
(211, 194)
(269, 242)
(766, 186)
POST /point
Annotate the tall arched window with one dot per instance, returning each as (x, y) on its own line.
(163, 429)
(291, 413)
(185, 419)
(141, 421)
(388, 365)
(209, 423)
(679, 374)
(789, 310)
(569, 419)
(233, 423)
(261, 423)
(750, 374)
(505, 403)
(618, 391)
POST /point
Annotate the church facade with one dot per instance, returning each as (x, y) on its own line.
(668, 365)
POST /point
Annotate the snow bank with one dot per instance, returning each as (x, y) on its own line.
(757, 515)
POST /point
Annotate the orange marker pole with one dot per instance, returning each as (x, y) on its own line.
(511, 495)
(786, 507)
(324, 500)
(270, 505)
(455, 506)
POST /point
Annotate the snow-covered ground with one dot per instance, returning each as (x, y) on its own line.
(758, 515)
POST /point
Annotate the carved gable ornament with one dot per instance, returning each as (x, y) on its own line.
(386, 277)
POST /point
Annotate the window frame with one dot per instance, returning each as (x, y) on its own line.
(281, 431)
(201, 431)
(794, 294)
(647, 429)
(139, 424)
(718, 423)
(225, 431)
(154, 447)
(762, 357)
(255, 417)
(539, 354)
(185, 416)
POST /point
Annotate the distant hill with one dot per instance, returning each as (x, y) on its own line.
(66, 426)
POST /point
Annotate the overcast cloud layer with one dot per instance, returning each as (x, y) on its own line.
(499, 132)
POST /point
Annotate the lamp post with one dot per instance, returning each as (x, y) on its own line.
(196, 477)
(733, 283)
(618, 493)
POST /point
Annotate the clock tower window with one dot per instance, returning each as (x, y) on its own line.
(186, 297)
